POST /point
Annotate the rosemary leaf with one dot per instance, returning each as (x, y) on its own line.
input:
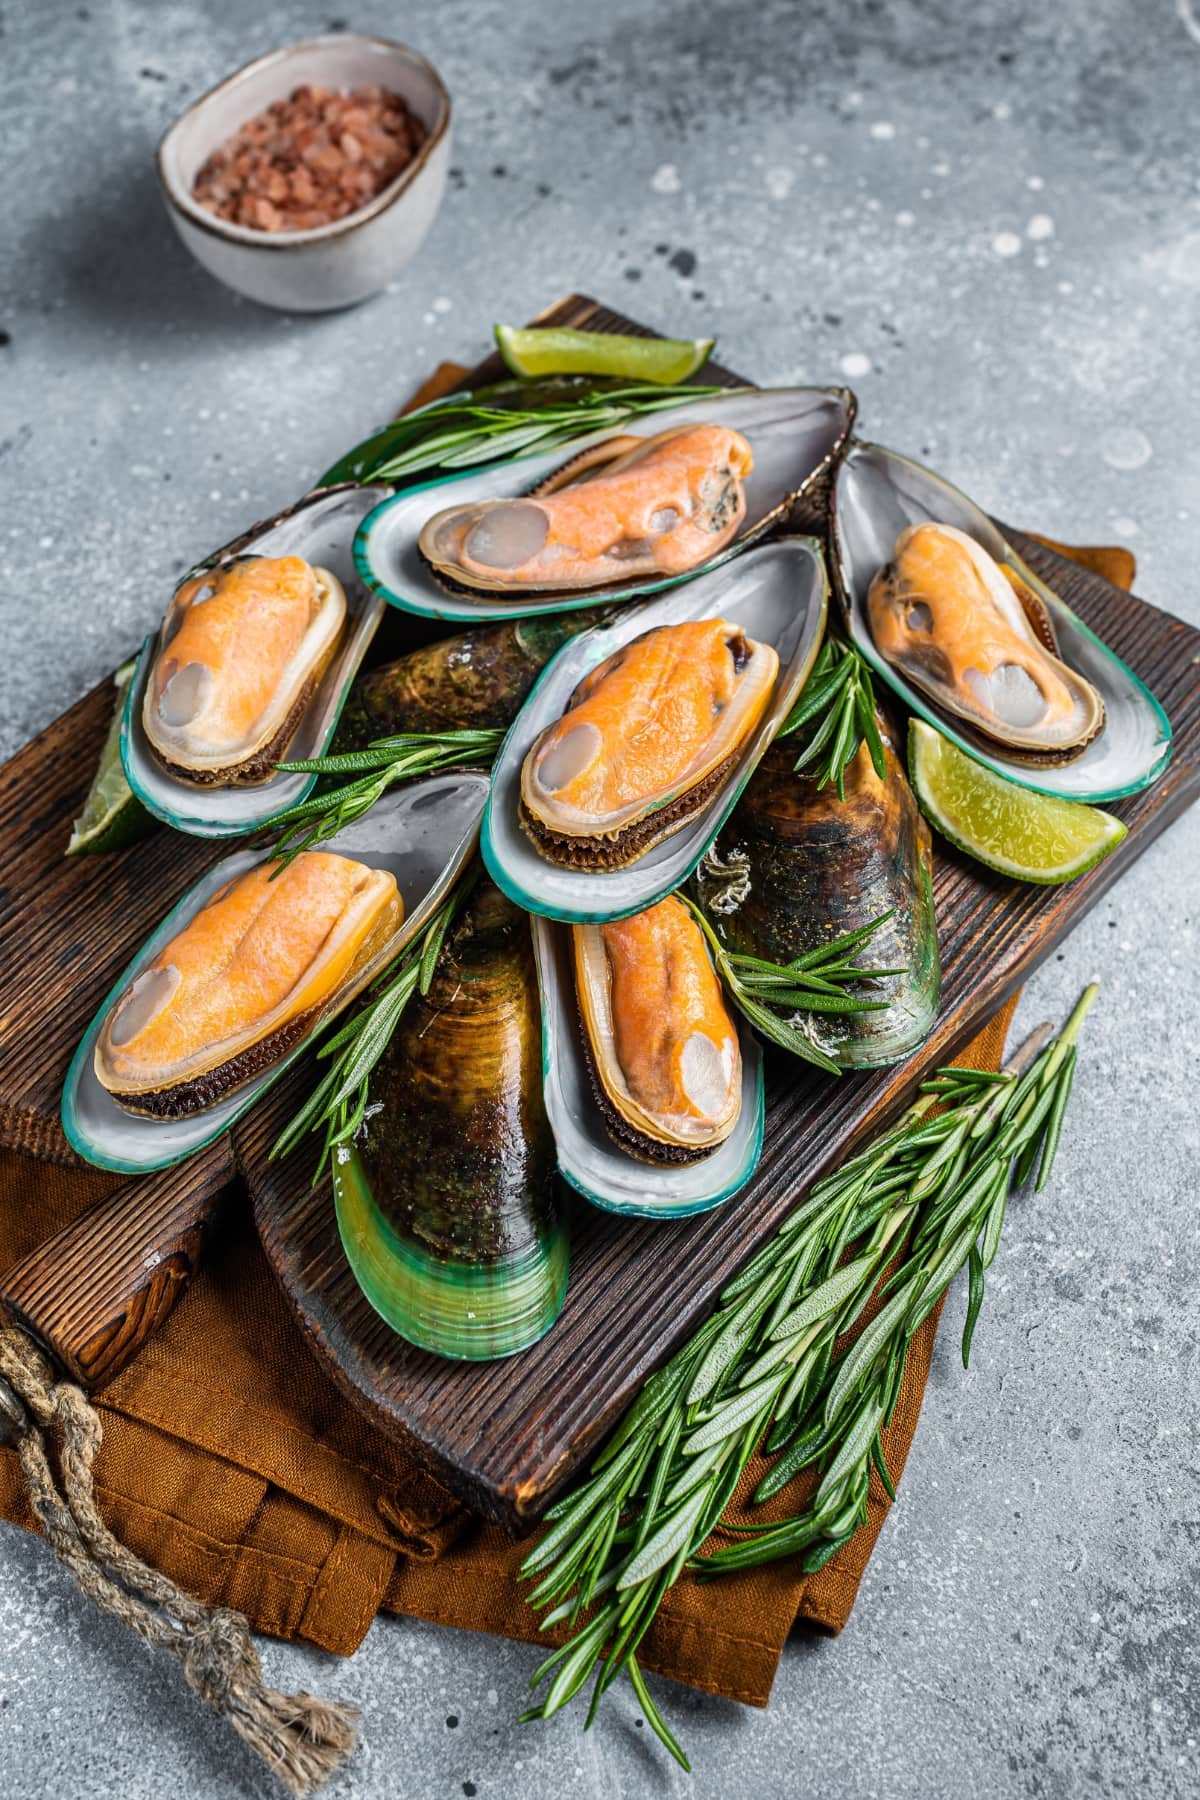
(387, 761)
(836, 709)
(356, 1048)
(777, 1361)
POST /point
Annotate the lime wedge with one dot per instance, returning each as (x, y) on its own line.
(559, 351)
(1032, 837)
(112, 816)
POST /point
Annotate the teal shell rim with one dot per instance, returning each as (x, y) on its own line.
(918, 704)
(198, 826)
(689, 1209)
(723, 805)
(557, 1250)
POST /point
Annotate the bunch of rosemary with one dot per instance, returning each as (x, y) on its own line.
(773, 995)
(836, 712)
(774, 1370)
(513, 418)
(383, 763)
(338, 1104)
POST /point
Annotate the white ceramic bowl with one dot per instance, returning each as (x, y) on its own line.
(333, 265)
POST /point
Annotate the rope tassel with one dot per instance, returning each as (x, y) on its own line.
(302, 1739)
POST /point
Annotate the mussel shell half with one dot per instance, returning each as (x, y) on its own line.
(808, 867)
(424, 833)
(320, 528)
(661, 1044)
(620, 771)
(981, 645)
(476, 680)
(447, 1205)
(876, 495)
(795, 434)
(588, 1156)
(270, 955)
(775, 594)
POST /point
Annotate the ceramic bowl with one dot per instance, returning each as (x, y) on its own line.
(334, 265)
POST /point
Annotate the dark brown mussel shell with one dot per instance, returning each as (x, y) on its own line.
(796, 867)
(477, 680)
(448, 1203)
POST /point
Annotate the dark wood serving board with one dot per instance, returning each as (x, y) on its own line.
(508, 1435)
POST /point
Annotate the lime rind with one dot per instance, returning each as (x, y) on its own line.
(562, 350)
(113, 817)
(1012, 830)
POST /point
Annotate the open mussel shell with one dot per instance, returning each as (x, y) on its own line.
(423, 833)
(777, 594)
(795, 434)
(796, 867)
(320, 528)
(588, 1156)
(876, 495)
(447, 1203)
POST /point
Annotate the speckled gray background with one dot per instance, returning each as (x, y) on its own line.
(987, 217)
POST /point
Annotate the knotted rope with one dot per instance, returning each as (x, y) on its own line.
(301, 1738)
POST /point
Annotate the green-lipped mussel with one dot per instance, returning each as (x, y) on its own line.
(447, 1204)
(475, 680)
(661, 1047)
(796, 867)
(603, 516)
(974, 641)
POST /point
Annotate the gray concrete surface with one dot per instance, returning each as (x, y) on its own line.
(987, 217)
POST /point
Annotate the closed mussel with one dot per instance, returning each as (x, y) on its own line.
(476, 680)
(447, 1204)
(797, 866)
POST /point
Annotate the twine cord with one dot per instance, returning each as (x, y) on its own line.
(302, 1739)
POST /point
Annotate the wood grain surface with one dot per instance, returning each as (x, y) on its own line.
(506, 1436)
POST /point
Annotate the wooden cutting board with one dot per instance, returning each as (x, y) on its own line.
(507, 1435)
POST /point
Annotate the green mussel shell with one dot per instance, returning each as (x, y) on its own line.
(448, 1205)
(477, 680)
(801, 867)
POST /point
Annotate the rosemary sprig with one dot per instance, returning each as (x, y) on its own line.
(773, 1368)
(771, 995)
(837, 706)
(338, 1103)
(380, 766)
(513, 418)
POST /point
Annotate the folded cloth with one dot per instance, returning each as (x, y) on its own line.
(232, 1463)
